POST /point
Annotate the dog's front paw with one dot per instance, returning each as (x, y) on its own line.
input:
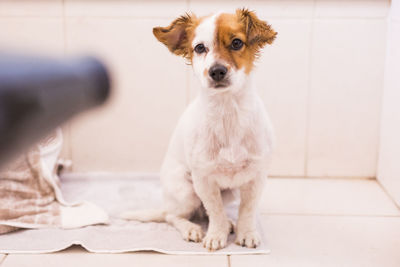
(250, 239)
(193, 233)
(215, 240)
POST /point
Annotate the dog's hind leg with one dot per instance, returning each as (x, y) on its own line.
(189, 230)
(181, 208)
(180, 200)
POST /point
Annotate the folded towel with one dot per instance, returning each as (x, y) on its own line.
(30, 196)
(117, 193)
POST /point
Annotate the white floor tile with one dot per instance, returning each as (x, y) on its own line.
(345, 97)
(48, 8)
(326, 196)
(352, 8)
(126, 8)
(32, 34)
(281, 77)
(266, 9)
(328, 241)
(395, 9)
(389, 145)
(127, 134)
(78, 257)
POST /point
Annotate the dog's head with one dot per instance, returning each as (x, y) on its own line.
(222, 48)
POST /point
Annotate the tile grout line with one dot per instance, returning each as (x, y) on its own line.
(328, 215)
(348, 178)
(382, 99)
(3, 259)
(388, 195)
(101, 174)
(68, 127)
(229, 260)
(308, 95)
(172, 17)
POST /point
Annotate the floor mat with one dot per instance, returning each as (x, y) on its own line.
(117, 194)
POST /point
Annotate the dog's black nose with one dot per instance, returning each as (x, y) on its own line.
(217, 72)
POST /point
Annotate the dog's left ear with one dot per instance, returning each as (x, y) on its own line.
(258, 32)
(176, 35)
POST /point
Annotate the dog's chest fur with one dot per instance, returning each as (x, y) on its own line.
(227, 136)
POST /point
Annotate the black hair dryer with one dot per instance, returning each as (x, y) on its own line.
(38, 94)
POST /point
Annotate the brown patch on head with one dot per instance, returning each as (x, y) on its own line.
(178, 35)
(253, 32)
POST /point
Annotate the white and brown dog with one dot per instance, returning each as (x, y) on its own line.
(224, 139)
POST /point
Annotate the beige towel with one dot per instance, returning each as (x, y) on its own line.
(116, 194)
(30, 196)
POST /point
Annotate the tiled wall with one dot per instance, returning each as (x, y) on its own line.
(321, 80)
(389, 154)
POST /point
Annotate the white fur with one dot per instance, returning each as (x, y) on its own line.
(222, 142)
(205, 60)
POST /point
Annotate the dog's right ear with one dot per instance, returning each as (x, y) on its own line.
(177, 35)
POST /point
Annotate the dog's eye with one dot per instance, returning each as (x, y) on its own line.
(200, 48)
(236, 44)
